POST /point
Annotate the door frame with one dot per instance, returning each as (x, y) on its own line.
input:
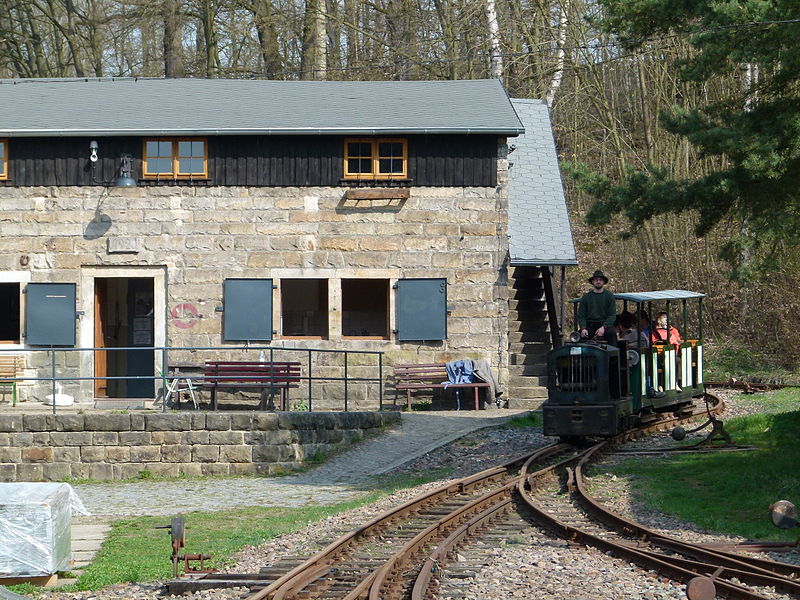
(87, 304)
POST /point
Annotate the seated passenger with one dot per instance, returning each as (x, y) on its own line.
(659, 333)
(635, 337)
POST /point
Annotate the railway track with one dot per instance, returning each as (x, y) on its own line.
(409, 551)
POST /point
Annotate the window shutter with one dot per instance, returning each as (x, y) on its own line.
(247, 310)
(421, 309)
(50, 314)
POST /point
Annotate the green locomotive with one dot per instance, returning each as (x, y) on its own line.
(596, 389)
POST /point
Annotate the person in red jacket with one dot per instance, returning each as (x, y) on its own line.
(659, 333)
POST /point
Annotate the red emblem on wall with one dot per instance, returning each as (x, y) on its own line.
(184, 315)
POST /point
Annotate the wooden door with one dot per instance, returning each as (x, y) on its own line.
(100, 325)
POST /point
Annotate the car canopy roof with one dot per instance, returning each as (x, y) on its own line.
(654, 296)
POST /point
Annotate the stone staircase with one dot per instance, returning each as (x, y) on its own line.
(529, 338)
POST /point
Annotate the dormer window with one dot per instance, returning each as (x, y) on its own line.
(175, 158)
(371, 158)
(3, 159)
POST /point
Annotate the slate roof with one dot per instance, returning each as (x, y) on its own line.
(128, 106)
(538, 224)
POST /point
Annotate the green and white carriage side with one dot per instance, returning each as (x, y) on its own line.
(678, 372)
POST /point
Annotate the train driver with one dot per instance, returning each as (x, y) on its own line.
(597, 310)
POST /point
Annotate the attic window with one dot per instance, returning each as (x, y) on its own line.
(370, 158)
(175, 158)
(3, 159)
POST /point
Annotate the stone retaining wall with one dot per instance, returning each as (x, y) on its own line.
(132, 445)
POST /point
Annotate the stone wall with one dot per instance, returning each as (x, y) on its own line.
(114, 446)
(190, 239)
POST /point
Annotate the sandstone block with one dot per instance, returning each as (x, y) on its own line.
(215, 469)
(101, 472)
(8, 473)
(107, 422)
(218, 422)
(226, 437)
(56, 471)
(135, 438)
(105, 438)
(205, 454)
(30, 472)
(69, 423)
(10, 455)
(67, 454)
(37, 455)
(144, 454)
(235, 454)
(176, 454)
(118, 454)
(166, 437)
(11, 423)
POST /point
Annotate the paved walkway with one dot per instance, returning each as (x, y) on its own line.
(339, 479)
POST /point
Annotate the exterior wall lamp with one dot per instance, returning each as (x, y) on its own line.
(125, 178)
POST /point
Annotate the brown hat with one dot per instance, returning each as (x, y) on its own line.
(599, 274)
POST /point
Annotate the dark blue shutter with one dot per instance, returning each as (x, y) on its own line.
(50, 314)
(421, 309)
(248, 310)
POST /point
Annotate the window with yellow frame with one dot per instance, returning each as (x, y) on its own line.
(3, 159)
(175, 158)
(375, 158)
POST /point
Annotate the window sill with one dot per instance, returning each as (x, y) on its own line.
(377, 193)
(377, 183)
(366, 337)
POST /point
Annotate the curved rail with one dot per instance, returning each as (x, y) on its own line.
(319, 564)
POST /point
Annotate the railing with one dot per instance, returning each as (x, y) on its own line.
(312, 361)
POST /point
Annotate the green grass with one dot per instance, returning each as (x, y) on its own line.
(724, 359)
(531, 419)
(135, 551)
(729, 492)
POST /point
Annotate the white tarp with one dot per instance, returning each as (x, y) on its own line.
(35, 528)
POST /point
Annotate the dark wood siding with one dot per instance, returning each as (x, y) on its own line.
(433, 160)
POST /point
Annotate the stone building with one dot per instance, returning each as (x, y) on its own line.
(361, 216)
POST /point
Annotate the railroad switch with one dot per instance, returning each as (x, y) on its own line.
(177, 531)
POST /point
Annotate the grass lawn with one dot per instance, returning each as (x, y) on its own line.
(135, 551)
(730, 492)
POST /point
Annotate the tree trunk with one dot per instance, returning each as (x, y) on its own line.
(173, 46)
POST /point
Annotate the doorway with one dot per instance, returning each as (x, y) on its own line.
(124, 318)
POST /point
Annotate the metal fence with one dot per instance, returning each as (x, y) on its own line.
(333, 374)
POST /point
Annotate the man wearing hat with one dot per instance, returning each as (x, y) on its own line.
(597, 310)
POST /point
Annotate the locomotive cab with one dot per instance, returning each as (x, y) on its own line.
(600, 389)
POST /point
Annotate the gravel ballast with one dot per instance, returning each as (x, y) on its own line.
(530, 565)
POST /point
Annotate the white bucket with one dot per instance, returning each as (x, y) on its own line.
(60, 400)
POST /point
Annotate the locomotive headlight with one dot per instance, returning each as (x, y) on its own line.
(575, 337)
(633, 358)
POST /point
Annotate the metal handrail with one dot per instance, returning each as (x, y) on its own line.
(165, 376)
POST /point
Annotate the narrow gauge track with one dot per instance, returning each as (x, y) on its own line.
(402, 553)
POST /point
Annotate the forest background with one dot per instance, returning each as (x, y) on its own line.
(605, 99)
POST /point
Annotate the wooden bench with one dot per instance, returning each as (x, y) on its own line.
(11, 367)
(430, 377)
(234, 375)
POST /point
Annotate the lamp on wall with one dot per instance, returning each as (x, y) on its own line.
(125, 178)
(93, 148)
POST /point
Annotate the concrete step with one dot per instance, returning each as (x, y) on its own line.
(529, 316)
(523, 303)
(528, 337)
(526, 381)
(530, 403)
(530, 370)
(121, 403)
(534, 358)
